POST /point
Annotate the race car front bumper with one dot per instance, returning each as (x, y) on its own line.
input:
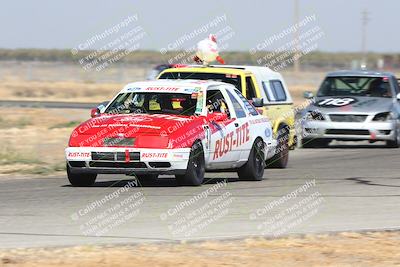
(373, 131)
(115, 160)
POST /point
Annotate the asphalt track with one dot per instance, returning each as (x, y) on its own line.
(357, 187)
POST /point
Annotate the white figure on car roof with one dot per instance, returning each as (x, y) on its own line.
(207, 51)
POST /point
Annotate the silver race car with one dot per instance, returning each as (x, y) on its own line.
(352, 106)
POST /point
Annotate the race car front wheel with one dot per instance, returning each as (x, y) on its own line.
(394, 143)
(196, 167)
(81, 179)
(253, 170)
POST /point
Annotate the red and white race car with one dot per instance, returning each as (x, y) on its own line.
(179, 127)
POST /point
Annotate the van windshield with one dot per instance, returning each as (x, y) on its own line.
(221, 77)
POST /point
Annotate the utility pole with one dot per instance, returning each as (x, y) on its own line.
(296, 62)
(364, 21)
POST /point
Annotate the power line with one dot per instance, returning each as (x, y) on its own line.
(364, 22)
(296, 62)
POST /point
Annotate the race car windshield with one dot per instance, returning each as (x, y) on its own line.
(355, 86)
(220, 77)
(151, 103)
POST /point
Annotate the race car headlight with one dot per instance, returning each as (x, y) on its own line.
(314, 116)
(383, 116)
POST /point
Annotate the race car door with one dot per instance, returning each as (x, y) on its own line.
(222, 151)
(242, 132)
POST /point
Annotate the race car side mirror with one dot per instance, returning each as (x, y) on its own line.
(308, 95)
(102, 106)
(398, 96)
(258, 102)
(217, 116)
(95, 112)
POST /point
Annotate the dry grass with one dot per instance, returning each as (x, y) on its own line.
(84, 92)
(57, 91)
(346, 249)
(35, 146)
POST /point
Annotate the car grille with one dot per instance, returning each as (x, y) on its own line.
(77, 164)
(160, 164)
(347, 132)
(115, 156)
(347, 118)
(118, 141)
(99, 164)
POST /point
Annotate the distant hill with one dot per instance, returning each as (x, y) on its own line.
(314, 59)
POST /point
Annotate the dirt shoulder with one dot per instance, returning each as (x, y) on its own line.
(345, 249)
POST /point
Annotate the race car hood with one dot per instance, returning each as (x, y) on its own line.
(93, 131)
(351, 104)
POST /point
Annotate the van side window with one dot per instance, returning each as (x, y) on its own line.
(247, 104)
(276, 92)
(240, 113)
(250, 89)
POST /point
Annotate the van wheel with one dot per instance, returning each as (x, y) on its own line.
(281, 157)
(81, 179)
(196, 167)
(253, 170)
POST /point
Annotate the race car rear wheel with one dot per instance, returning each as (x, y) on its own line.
(81, 179)
(281, 157)
(146, 179)
(253, 170)
(196, 167)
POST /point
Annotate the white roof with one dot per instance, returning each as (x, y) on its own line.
(169, 86)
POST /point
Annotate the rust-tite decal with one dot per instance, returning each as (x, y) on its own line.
(151, 155)
(233, 139)
(78, 154)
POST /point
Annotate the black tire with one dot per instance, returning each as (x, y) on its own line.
(146, 179)
(314, 143)
(81, 179)
(196, 167)
(393, 143)
(281, 157)
(253, 170)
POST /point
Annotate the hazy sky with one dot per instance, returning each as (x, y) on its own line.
(67, 23)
